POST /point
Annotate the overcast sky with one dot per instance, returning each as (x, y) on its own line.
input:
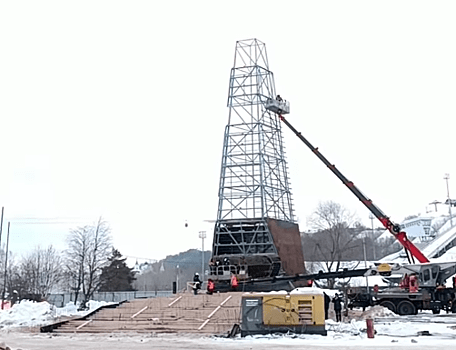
(117, 109)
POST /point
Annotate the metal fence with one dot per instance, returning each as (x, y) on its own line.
(62, 299)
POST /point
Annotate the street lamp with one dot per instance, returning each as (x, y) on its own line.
(177, 278)
(447, 177)
(6, 267)
(202, 235)
(365, 264)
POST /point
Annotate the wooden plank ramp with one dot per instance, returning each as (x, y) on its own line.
(182, 313)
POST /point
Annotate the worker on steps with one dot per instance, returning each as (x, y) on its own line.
(196, 283)
(210, 286)
(234, 282)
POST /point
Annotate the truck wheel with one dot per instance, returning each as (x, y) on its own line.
(453, 308)
(406, 308)
(389, 304)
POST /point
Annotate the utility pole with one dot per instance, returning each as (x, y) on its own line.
(447, 177)
(372, 217)
(6, 266)
(365, 264)
(202, 235)
(1, 227)
(177, 279)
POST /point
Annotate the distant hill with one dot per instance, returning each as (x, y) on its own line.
(174, 268)
(186, 260)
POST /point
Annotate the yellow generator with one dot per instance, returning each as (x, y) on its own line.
(300, 311)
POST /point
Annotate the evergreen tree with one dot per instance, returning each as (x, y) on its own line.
(117, 276)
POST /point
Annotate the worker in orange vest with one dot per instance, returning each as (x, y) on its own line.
(376, 288)
(405, 283)
(413, 283)
(210, 286)
(234, 281)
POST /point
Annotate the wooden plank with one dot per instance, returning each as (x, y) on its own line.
(84, 324)
(213, 312)
(204, 323)
(142, 310)
(223, 302)
(174, 301)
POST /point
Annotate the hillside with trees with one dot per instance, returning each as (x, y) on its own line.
(178, 268)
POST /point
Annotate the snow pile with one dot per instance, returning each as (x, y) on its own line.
(354, 333)
(378, 311)
(71, 310)
(27, 313)
(34, 314)
(371, 312)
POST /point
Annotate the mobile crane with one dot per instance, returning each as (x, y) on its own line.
(424, 288)
(281, 107)
(411, 250)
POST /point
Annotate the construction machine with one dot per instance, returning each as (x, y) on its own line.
(422, 285)
(412, 286)
(411, 250)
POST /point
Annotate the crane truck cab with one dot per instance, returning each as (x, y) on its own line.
(430, 275)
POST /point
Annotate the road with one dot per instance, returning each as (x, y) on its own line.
(37, 341)
(393, 332)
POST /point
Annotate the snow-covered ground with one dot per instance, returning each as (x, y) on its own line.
(424, 330)
(29, 314)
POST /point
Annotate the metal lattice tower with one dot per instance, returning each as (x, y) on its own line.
(254, 184)
(253, 181)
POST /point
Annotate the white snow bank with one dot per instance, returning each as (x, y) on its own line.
(33, 314)
(390, 334)
(27, 313)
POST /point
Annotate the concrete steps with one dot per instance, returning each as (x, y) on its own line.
(182, 313)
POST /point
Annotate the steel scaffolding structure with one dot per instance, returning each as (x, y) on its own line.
(254, 185)
(254, 181)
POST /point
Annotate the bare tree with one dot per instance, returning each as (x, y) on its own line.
(9, 274)
(89, 248)
(98, 257)
(335, 234)
(387, 246)
(78, 242)
(41, 271)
